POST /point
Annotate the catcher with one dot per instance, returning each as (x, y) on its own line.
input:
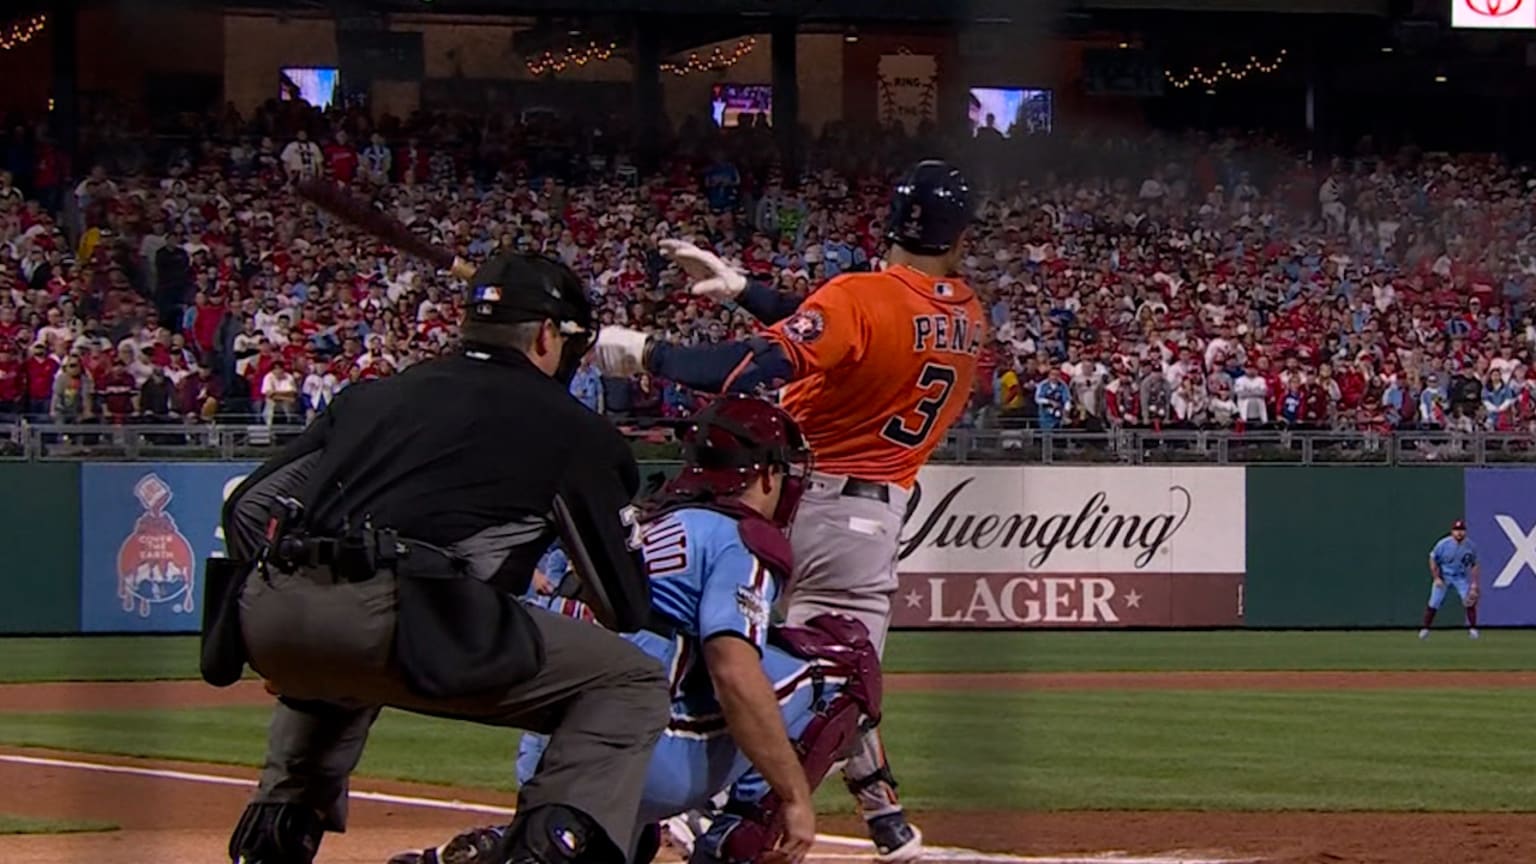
(716, 555)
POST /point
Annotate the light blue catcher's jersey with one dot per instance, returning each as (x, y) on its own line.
(707, 583)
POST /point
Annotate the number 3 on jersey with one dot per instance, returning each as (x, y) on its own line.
(938, 381)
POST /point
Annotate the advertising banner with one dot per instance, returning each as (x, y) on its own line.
(145, 529)
(909, 87)
(989, 546)
(1501, 523)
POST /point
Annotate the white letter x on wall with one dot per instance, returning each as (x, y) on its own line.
(1524, 554)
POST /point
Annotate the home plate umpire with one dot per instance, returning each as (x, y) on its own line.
(376, 562)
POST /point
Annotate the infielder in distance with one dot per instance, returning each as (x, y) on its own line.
(1453, 561)
(790, 700)
(878, 366)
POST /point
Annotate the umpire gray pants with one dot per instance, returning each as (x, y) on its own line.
(327, 647)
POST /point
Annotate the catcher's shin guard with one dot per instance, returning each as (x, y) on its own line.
(276, 834)
(837, 646)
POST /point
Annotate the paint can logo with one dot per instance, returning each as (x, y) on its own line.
(155, 565)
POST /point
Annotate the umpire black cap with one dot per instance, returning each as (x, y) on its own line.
(930, 208)
(515, 288)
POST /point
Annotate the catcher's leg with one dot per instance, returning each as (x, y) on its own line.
(822, 717)
(312, 749)
(867, 773)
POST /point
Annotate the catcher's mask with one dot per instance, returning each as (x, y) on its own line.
(514, 288)
(733, 442)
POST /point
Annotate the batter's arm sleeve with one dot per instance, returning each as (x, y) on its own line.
(738, 366)
(829, 329)
(600, 531)
(766, 303)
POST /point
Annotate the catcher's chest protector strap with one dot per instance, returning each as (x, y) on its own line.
(839, 647)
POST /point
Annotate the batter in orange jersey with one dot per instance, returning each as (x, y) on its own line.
(875, 368)
(884, 364)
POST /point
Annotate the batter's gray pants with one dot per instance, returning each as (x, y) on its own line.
(845, 561)
(328, 648)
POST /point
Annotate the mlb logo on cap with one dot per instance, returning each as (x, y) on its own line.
(488, 294)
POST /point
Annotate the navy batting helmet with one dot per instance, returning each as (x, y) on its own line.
(930, 207)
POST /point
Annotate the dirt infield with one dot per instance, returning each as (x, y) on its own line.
(172, 813)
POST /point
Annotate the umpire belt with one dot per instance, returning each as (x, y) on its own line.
(361, 559)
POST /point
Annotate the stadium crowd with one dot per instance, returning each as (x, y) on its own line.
(1158, 281)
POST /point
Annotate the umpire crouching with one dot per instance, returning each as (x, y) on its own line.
(375, 563)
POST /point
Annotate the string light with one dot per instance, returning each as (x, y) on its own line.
(716, 60)
(1225, 72)
(21, 32)
(549, 61)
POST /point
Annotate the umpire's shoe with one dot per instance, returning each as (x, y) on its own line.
(551, 834)
(894, 839)
(475, 846)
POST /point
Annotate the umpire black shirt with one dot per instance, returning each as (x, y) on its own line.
(457, 449)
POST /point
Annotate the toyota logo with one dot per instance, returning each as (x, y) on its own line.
(1493, 8)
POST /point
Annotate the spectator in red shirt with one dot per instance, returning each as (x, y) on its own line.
(341, 158)
(200, 394)
(203, 322)
(1352, 385)
(40, 369)
(10, 328)
(119, 393)
(12, 381)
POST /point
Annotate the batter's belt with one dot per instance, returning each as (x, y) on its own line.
(853, 487)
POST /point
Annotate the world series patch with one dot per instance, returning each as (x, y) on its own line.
(752, 606)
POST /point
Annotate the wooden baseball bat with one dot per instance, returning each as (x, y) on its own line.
(344, 206)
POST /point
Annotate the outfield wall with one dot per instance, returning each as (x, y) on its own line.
(118, 547)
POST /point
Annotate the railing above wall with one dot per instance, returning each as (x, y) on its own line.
(44, 442)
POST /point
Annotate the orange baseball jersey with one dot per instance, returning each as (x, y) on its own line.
(884, 365)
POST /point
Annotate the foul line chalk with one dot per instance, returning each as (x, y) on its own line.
(931, 853)
(216, 780)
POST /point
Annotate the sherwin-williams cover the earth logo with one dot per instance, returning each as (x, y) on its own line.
(155, 563)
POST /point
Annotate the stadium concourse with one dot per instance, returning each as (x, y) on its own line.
(1184, 282)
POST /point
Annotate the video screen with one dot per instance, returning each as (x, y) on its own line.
(320, 86)
(730, 104)
(1010, 111)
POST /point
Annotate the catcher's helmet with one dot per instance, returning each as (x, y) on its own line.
(930, 207)
(730, 442)
(513, 288)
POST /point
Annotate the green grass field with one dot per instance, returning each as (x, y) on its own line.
(142, 658)
(1011, 751)
(1403, 750)
(23, 825)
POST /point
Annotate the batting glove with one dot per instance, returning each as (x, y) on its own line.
(618, 351)
(712, 277)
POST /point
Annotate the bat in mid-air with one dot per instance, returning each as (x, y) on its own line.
(332, 199)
